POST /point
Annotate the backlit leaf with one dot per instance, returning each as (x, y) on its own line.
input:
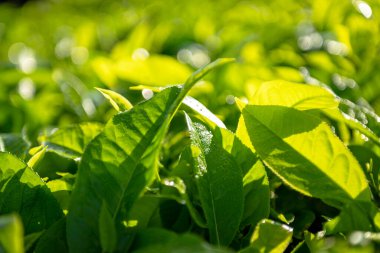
(119, 102)
(305, 154)
(11, 234)
(269, 237)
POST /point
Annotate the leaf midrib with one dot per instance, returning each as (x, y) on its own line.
(301, 155)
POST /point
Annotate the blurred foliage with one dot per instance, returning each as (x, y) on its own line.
(54, 52)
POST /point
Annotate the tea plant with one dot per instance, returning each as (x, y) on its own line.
(128, 196)
(119, 135)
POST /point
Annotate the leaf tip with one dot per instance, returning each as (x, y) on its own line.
(240, 103)
(119, 102)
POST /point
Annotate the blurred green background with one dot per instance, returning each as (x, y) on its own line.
(53, 52)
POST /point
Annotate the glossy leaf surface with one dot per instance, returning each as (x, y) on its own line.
(219, 182)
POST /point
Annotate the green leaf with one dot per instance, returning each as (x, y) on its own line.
(108, 235)
(36, 158)
(71, 141)
(120, 162)
(219, 182)
(269, 237)
(301, 248)
(153, 236)
(181, 196)
(339, 116)
(298, 96)
(11, 234)
(256, 194)
(203, 111)
(307, 97)
(23, 191)
(31, 239)
(53, 239)
(119, 102)
(370, 162)
(307, 156)
(158, 240)
(61, 189)
(185, 185)
(15, 144)
(303, 220)
(155, 70)
(139, 218)
(255, 181)
(116, 167)
(359, 215)
(356, 242)
(304, 153)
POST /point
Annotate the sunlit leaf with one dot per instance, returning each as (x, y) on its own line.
(119, 102)
(298, 96)
(11, 234)
(305, 154)
(269, 237)
(36, 158)
(72, 140)
(155, 70)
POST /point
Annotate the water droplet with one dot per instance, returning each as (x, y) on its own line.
(168, 182)
(195, 55)
(63, 48)
(200, 59)
(230, 99)
(147, 93)
(244, 100)
(363, 8)
(184, 55)
(336, 47)
(14, 52)
(342, 82)
(27, 63)
(23, 57)
(364, 138)
(320, 234)
(2, 146)
(290, 229)
(140, 54)
(310, 41)
(356, 238)
(26, 88)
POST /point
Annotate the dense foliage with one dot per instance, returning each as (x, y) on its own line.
(190, 126)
